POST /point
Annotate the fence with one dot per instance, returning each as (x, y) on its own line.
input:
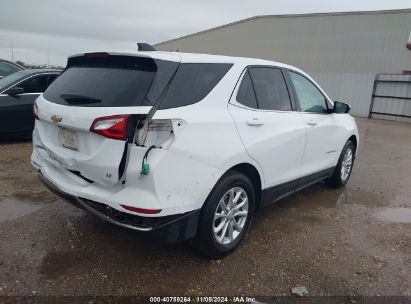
(391, 98)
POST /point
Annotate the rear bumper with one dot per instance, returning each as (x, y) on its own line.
(170, 229)
(177, 183)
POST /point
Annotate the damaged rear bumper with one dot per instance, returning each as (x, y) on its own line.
(170, 229)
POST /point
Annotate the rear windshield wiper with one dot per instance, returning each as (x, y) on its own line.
(79, 99)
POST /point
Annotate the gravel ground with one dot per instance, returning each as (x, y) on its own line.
(351, 241)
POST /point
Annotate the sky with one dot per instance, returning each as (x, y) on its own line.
(48, 31)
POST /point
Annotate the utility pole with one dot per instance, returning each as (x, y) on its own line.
(12, 52)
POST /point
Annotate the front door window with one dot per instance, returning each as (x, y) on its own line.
(309, 96)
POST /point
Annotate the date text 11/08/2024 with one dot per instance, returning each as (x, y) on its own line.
(203, 299)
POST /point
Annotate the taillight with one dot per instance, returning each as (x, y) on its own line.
(141, 210)
(35, 110)
(114, 127)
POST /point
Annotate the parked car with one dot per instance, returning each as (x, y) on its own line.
(8, 68)
(187, 146)
(17, 94)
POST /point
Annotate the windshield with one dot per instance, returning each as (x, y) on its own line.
(8, 80)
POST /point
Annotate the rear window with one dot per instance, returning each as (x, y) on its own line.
(103, 83)
(133, 81)
(192, 83)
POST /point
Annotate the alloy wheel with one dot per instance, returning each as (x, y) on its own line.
(346, 164)
(230, 215)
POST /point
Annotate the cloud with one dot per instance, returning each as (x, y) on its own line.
(56, 29)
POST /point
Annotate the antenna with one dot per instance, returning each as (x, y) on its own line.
(145, 47)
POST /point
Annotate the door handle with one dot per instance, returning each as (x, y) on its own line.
(254, 122)
(311, 123)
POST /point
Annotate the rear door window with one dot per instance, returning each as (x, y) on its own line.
(270, 89)
(192, 83)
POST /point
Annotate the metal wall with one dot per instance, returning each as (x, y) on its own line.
(370, 94)
(359, 42)
(343, 51)
(354, 89)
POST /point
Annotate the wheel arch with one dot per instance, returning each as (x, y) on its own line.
(255, 178)
(354, 140)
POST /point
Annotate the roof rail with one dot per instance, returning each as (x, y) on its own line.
(145, 47)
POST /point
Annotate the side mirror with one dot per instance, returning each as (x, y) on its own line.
(341, 107)
(14, 91)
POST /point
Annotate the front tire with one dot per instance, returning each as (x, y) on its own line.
(226, 216)
(344, 167)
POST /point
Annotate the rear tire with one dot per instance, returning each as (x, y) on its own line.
(226, 216)
(344, 167)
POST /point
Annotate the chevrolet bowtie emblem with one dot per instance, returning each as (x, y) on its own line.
(56, 118)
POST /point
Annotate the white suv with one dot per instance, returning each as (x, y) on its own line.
(187, 146)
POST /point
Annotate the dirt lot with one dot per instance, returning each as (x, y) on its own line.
(352, 241)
